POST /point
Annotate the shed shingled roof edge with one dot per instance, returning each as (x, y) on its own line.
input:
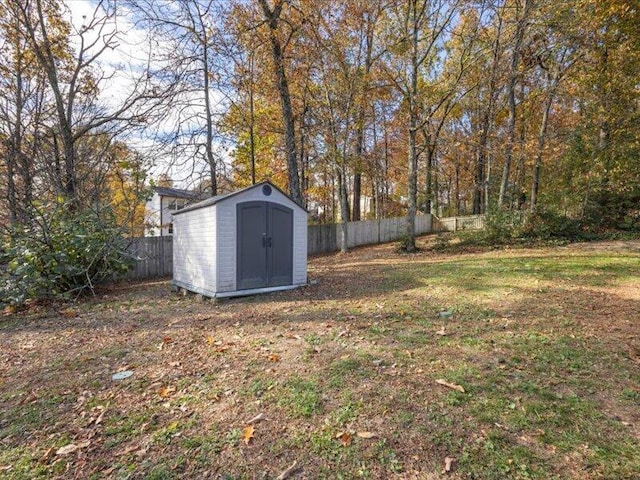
(219, 198)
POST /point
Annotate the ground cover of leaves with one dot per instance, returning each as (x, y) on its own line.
(510, 363)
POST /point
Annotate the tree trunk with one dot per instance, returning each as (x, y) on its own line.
(511, 95)
(252, 133)
(412, 157)
(410, 240)
(357, 195)
(481, 166)
(343, 199)
(11, 186)
(480, 185)
(428, 204)
(542, 137)
(436, 186)
(209, 121)
(282, 85)
(457, 186)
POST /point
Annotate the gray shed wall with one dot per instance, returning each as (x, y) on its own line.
(204, 250)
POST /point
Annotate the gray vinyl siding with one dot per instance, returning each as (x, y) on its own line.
(227, 237)
(205, 243)
(226, 246)
(195, 242)
(299, 247)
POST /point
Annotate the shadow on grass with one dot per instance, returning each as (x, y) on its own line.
(143, 305)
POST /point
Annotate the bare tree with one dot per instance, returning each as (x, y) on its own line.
(191, 32)
(74, 74)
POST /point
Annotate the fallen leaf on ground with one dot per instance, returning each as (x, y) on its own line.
(256, 419)
(453, 386)
(128, 450)
(47, 455)
(108, 471)
(67, 449)
(288, 471)
(72, 447)
(274, 358)
(98, 419)
(344, 437)
(69, 313)
(366, 435)
(32, 397)
(247, 434)
(441, 332)
(448, 463)
(165, 392)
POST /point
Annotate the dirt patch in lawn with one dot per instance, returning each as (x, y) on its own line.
(499, 364)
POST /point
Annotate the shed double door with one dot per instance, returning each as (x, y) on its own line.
(265, 245)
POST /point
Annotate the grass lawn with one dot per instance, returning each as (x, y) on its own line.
(537, 352)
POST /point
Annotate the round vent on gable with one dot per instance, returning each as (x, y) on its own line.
(266, 189)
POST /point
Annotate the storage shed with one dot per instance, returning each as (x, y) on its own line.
(250, 241)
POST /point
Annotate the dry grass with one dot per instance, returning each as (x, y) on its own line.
(544, 342)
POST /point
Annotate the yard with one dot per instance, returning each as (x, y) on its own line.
(512, 363)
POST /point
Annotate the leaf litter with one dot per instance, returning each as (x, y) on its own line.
(185, 398)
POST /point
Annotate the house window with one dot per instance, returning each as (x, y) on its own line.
(171, 228)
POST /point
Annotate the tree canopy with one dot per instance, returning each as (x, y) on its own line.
(358, 109)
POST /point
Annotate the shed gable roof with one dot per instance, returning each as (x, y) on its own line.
(220, 198)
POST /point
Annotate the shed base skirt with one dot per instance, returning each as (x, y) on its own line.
(235, 293)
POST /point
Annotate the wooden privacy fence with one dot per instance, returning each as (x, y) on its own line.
(326, 238)
(154, 255)
(453, 224)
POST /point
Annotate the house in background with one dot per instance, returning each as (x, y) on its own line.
(160, 208)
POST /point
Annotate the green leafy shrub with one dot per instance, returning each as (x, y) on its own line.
(406, 244)
(502, 226)
(607, 210)
(59, 253)
(545, 224)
